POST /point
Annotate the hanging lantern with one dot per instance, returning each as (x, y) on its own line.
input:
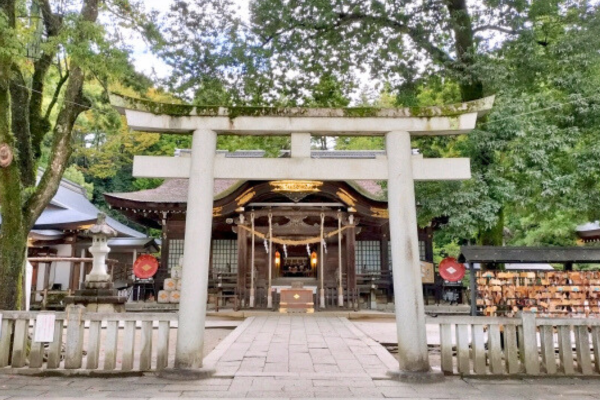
(313, 259)
(277, 259)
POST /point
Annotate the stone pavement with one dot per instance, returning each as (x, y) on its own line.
(287, 357)
(280, 387)
(300, 346)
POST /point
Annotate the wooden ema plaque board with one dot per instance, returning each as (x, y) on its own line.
(296, 300)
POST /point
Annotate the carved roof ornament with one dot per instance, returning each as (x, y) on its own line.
(101, 228)
(296, 190)
(6, 155)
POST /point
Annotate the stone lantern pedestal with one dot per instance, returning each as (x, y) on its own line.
(99, 294)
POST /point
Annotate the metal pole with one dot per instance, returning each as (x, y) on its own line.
(473, 290)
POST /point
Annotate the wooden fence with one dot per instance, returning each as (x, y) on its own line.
(519, 346)
(88, 341)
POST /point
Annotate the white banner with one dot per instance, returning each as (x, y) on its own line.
(0, 325)
(44, 328)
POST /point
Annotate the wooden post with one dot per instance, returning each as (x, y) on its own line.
(340, 284)
(75, 270)
(473, 286)
(242, 257)
(351, 259)
(322, 269)
(270, 256)
(252, 277)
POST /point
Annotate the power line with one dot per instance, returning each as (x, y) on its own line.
(541, 109)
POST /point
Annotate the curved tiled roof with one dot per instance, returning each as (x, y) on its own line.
(176, 191)
(71, 208)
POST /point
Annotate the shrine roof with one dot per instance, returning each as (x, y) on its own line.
(70, 209)
(176, 191)
(508, 254)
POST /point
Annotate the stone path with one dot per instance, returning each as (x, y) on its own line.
(300, 346)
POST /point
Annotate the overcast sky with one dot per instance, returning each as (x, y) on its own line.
(148, 63)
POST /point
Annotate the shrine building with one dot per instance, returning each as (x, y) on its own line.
(353, 214)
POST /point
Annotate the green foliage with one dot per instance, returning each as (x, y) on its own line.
(75, 175)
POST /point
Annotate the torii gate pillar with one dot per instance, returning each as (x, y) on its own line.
(196, 259)
(408, 293)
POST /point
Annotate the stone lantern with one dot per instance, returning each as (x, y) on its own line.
(99, 294)
(98, 277)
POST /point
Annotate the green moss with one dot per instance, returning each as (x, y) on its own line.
(164, 108)
(234, 112)
(207, 110)
(361, 112)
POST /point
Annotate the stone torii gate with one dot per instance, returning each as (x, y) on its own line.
(399, 167)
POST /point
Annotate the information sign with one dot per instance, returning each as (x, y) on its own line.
(44, 328)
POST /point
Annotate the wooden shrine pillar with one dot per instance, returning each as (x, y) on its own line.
(351, 257)
(384, 246)
(384, 256)
(242, 260)
(75, 275)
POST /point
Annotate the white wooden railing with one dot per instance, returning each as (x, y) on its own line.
(88, 341)
(519, 346)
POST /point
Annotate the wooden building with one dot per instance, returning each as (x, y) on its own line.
(58, 236)
(350, 216)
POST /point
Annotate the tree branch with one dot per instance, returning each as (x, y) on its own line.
(57, 90)
(416, 35)
(495, 28)
(73, 105)
(39, 125)
(19, 94)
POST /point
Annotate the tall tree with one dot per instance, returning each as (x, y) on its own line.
(70, 46)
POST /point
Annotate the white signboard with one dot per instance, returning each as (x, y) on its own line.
(0, 325)
(44, 328)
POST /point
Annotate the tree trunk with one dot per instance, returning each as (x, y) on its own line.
(471, 87)
(13, 238)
